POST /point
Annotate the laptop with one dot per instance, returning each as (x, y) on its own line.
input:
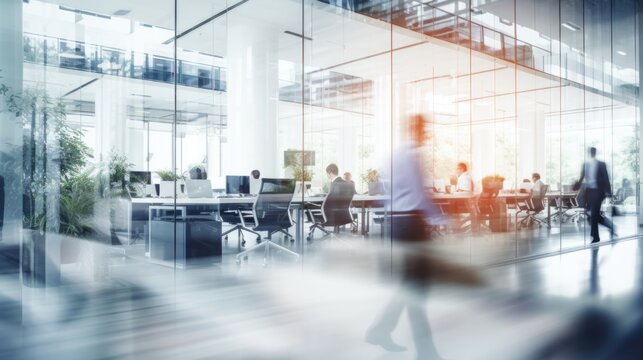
(198, 189)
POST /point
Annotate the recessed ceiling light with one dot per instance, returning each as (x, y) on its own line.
(570, 26)
(622, 53)
(122, 12)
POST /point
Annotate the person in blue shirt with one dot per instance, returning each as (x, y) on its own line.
(410, 210)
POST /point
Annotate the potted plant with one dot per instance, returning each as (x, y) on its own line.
(198, 172)
(298, 171)
(169, 178)
(372, 178)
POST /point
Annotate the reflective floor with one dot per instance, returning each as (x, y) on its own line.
(325, 305)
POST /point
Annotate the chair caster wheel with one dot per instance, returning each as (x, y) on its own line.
(308, 238)
(238, 261)
(243, 243)
(258, 239)
(225, 238)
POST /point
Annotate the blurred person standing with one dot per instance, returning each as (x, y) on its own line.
(409, 208)
(597, 187)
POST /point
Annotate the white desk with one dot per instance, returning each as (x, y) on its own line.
(362, 201)
(244, 200)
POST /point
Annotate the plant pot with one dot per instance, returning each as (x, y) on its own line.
(69, 249)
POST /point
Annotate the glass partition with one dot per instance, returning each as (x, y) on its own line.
(140, 132)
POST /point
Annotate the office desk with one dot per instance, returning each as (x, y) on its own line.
(362, 201)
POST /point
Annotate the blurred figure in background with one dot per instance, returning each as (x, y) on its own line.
(465, 184)
(626, 190)
(255, 182)
(349, 179)
(410, 207)
(597, 187)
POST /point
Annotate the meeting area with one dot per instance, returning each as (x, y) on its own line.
(189, 139)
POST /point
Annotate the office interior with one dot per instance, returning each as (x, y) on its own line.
(154, 90)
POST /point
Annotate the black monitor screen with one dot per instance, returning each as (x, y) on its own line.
(144, 177)
(277, 186)
(237, 184)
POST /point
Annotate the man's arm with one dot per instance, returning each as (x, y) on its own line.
(608, 186)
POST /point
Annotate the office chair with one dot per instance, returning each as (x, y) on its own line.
(271, 212)
(238, 217)
(578, 208)
(534, 206)
(335, 210)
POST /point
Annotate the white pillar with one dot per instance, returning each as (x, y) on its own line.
(111, 117)
(11, 126)
(252, 96)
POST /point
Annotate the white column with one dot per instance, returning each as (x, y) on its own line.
(252, 96)
(11, 126)
(111, 117)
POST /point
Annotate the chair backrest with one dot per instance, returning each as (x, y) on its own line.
(272, 207)
(336, 205)
(537, 201)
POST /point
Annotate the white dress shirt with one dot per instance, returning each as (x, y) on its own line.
(591, 172)
(406, 175)
(537, 188)
(464, 182)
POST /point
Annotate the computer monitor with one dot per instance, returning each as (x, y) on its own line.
(237, 184)
(198, 189)
(277, 186)
(143, 177)
(303, 187)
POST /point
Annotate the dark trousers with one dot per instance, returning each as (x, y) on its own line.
(594, 200)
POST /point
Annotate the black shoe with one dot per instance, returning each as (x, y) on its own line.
(383, 340)
(594, 241)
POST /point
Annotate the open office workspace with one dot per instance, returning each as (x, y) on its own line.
(208, 155)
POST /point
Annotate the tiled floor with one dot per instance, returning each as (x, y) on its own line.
(321, 306)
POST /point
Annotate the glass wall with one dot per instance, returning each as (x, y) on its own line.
(124, 107)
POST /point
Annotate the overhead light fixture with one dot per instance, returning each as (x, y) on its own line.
(622, 53)
(570, 26)
(121, 12)
(506, 22)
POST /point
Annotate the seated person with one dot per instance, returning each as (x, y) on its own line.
(626, 190)
(465, 184)
(537, 192)
(525, 186)
(349, 179)
(255, 182)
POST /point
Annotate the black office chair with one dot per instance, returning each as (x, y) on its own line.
(534, 206)
(239, 217)
(335, 210)
(271, 212)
